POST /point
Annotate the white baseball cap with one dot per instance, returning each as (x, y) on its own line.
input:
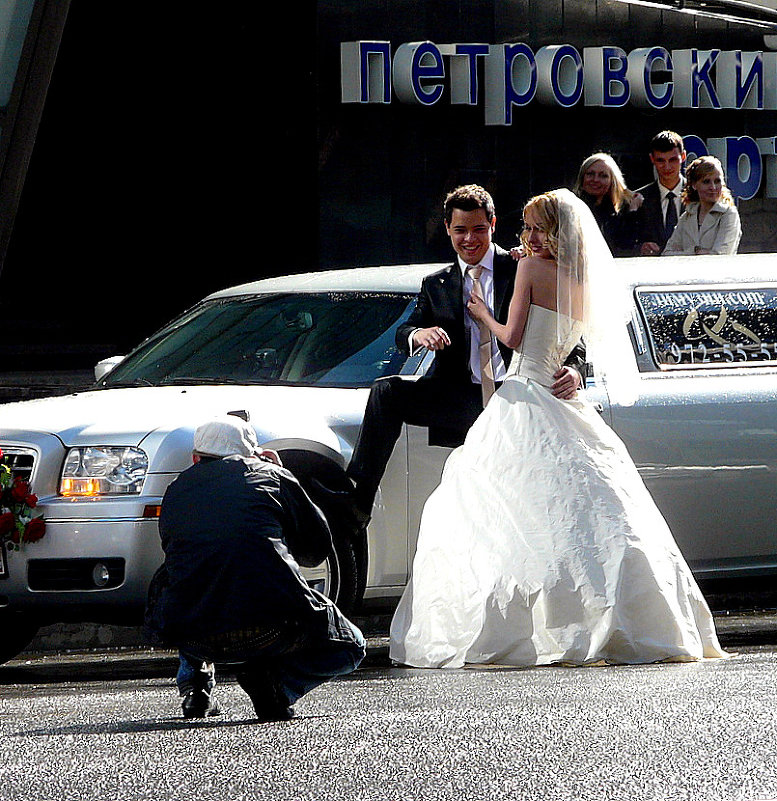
(226, 436)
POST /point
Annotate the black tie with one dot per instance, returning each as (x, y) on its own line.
(671, 215)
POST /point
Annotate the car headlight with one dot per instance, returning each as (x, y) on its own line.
(103, 471)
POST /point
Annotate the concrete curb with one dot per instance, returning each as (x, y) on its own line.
(735, 630)
(127, 662)
(86, 637)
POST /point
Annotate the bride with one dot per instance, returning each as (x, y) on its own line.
(541, 544)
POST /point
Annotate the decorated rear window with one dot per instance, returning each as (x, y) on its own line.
(711, 326)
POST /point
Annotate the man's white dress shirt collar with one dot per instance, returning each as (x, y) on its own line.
(677, 191)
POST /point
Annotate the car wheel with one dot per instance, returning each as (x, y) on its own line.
(16, 633)
(348, 574)
(343, 575)
(337, 576)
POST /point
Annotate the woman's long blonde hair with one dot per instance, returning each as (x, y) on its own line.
(619, 193)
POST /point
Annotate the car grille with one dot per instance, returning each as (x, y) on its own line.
(20, 460)
(75, 574)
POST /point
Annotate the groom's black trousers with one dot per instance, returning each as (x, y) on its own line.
(448, 408)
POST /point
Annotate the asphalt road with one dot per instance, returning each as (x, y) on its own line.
(108, 726)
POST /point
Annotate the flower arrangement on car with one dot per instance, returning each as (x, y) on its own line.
(18, 521)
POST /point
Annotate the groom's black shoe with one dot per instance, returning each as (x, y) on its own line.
(344, 501)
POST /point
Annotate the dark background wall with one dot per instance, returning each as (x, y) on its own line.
(181, 151)
(168, 164)
(385, 169)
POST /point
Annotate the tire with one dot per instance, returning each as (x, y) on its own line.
(18, 631)
(346, 597)
(343, 576)
(337, 576)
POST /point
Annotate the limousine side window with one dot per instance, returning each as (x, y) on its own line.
(712, 326)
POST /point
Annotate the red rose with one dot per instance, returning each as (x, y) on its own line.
(31, 500)
(20, 490)
(34, 530)
(7, 523)
(1, 453)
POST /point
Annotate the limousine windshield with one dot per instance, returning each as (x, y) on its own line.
(343, 339)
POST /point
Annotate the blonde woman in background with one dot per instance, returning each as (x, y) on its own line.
(710, 222)
(601, 185)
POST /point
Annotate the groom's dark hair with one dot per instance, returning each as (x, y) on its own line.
(468, 198)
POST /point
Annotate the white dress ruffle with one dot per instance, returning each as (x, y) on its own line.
(542, 545)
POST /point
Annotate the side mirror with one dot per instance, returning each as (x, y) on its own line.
(104, 367)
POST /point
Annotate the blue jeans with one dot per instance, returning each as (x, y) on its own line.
(295, 664)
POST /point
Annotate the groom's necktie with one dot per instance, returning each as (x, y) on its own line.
(670, 221)
(484, 345)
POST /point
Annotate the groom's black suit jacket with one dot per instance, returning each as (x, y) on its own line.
(440, 302)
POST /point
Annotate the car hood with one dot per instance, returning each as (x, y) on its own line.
(149, 416)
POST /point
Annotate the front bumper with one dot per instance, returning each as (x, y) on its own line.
(103, 563)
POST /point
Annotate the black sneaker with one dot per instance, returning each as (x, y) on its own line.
(270, 709)
(199, 704)
(270, 703)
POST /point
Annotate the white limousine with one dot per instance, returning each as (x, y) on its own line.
(299, 353)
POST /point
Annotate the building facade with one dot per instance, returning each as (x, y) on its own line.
(160, 155)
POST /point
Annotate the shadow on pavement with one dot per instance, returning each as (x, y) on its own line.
(157, 725)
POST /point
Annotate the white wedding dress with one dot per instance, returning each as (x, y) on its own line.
(541, 544)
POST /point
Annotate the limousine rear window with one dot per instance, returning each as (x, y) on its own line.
(711, 326)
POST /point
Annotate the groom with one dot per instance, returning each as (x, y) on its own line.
(449, 398)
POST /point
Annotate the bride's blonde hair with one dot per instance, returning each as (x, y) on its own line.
(545, 209)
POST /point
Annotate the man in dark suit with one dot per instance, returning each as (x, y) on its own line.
(661, 206)
(450, 397)
(235, 527)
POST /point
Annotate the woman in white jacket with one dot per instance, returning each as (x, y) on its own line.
(710, 222)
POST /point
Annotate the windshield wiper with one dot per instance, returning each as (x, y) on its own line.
(172, 380)
(136, 382)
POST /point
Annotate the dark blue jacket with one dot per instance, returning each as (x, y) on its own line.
(234, 532)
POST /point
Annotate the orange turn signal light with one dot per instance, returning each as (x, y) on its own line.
(80, 487)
